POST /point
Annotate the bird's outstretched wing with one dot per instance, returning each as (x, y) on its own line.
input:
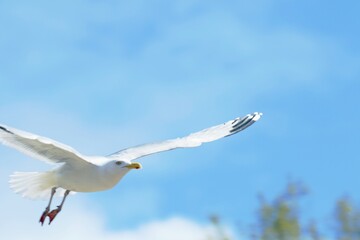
(39, 147)
(192, 140)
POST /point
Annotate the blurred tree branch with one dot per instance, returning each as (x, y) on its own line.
(348, 220)
(279, 219)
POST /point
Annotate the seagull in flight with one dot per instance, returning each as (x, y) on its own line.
(80, 173)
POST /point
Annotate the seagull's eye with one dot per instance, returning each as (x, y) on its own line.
(118, 163)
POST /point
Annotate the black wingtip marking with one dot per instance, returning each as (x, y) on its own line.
(4, 129)
(244, 123)
(241, 121)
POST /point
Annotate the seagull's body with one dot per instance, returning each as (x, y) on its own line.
(80, 173)
(88, 177)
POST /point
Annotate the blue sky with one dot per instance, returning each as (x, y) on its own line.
(104, 75)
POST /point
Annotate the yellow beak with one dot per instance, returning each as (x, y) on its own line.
(134, 165)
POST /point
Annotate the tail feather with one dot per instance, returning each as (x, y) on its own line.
(34, 185)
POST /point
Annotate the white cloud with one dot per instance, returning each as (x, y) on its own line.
(175, 228)
(81, 221)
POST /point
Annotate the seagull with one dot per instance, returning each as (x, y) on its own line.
(80, 173)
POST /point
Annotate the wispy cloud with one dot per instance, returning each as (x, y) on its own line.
(80, 220)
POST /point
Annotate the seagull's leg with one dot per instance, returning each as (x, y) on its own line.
(45, 213)
(54, 212)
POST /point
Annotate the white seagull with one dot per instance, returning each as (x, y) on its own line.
(80, 173)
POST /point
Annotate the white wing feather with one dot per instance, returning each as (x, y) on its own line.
(39, 147)
(192, 140)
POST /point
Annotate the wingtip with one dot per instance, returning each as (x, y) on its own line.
(3, 128)
(240, 124)
(257, 116)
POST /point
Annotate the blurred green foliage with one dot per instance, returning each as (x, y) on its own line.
(279, 219)
(347, 220)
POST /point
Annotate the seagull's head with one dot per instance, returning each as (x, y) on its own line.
(115, 169)
(127, 165)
